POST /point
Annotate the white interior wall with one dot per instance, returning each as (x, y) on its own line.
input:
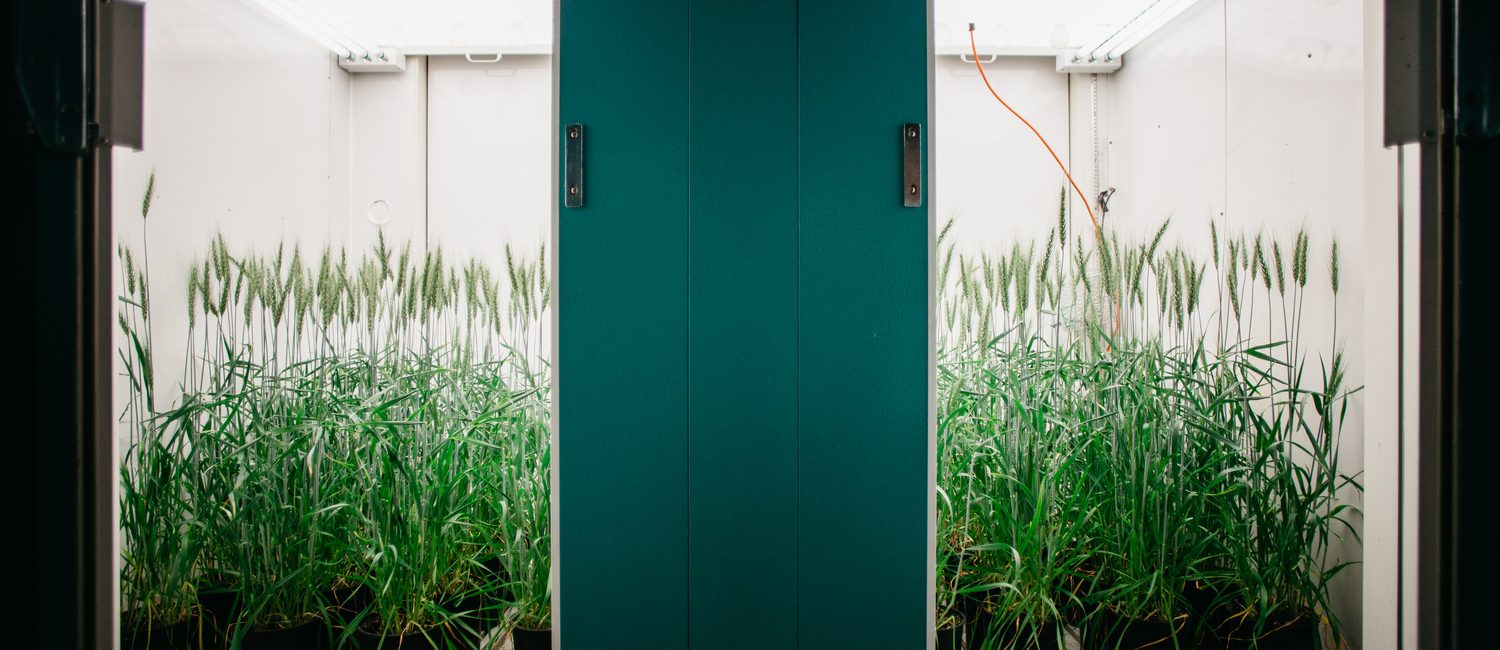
(388, 150)
(1269, 136)
(998, 181)
(1296, 139)
(490, 135)
(246, 129)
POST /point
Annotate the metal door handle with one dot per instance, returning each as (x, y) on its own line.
(573, 166)
(911, 165)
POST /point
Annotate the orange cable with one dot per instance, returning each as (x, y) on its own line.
(975, 49)
(1098, 233)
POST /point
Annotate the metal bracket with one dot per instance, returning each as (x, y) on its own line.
(381, 60)
(573, 165)
(1074, 61)
(911, 165)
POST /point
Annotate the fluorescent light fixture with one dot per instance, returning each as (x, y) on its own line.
(300, 18)
(1152, 17)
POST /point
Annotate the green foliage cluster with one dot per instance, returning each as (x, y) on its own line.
(1121, 432)
(379, 422)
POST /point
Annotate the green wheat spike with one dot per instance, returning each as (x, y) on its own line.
(1022, 276)
(205, 287)
(1177, 291)
(1333, 267)
(223, 270)
(1004, 269)
(1299, 259)
(383, 255)
(192, 295)
(403, 263)
(140, 283)
(1213, 237)
(1276, 256)
(1137, 287)
(943, 234)
(150, 193)
(251, 275)
(1081, 262)
(543, 284)
(1260, 262)
(1195, 288)
(1161, 233)
(1062, 215)
(1163, 284)
(130, 272)
(988, 273)
(1232, 277)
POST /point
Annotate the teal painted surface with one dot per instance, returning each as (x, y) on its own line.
(622, 329)
(863, 349)
(742, 390)
(742, 339)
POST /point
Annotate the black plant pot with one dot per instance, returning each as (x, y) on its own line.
(1300, 633)
(952, 638)
(1013, 635)
(475, 616)
(1107, 630)
(523, 639)
(177, 636)
(431, 639)
(308, 635)
(976, 615)
(346, 603)
(1203, 600)
(1080, 585)
(218, 610)
(494, 575)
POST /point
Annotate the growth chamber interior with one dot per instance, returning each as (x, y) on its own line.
(955, 324)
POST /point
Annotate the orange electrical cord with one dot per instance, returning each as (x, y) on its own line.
(1086, 205)
(1098, 233)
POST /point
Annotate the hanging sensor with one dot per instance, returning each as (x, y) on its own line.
(573, 166)
(1104, 202)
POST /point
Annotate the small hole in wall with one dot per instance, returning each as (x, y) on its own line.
(379, 212)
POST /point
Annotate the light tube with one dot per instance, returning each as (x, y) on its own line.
(1148, 21)
(304, 21)
(1173, 8)
(354, 47)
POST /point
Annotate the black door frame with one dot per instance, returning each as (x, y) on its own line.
(1442, 90)
(59, 261)
(1442, 71)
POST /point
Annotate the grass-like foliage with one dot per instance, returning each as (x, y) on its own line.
(1116, 442)
(375, 422)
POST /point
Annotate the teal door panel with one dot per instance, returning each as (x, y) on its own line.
(742, 325)
(622, 326)
(863, 381)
